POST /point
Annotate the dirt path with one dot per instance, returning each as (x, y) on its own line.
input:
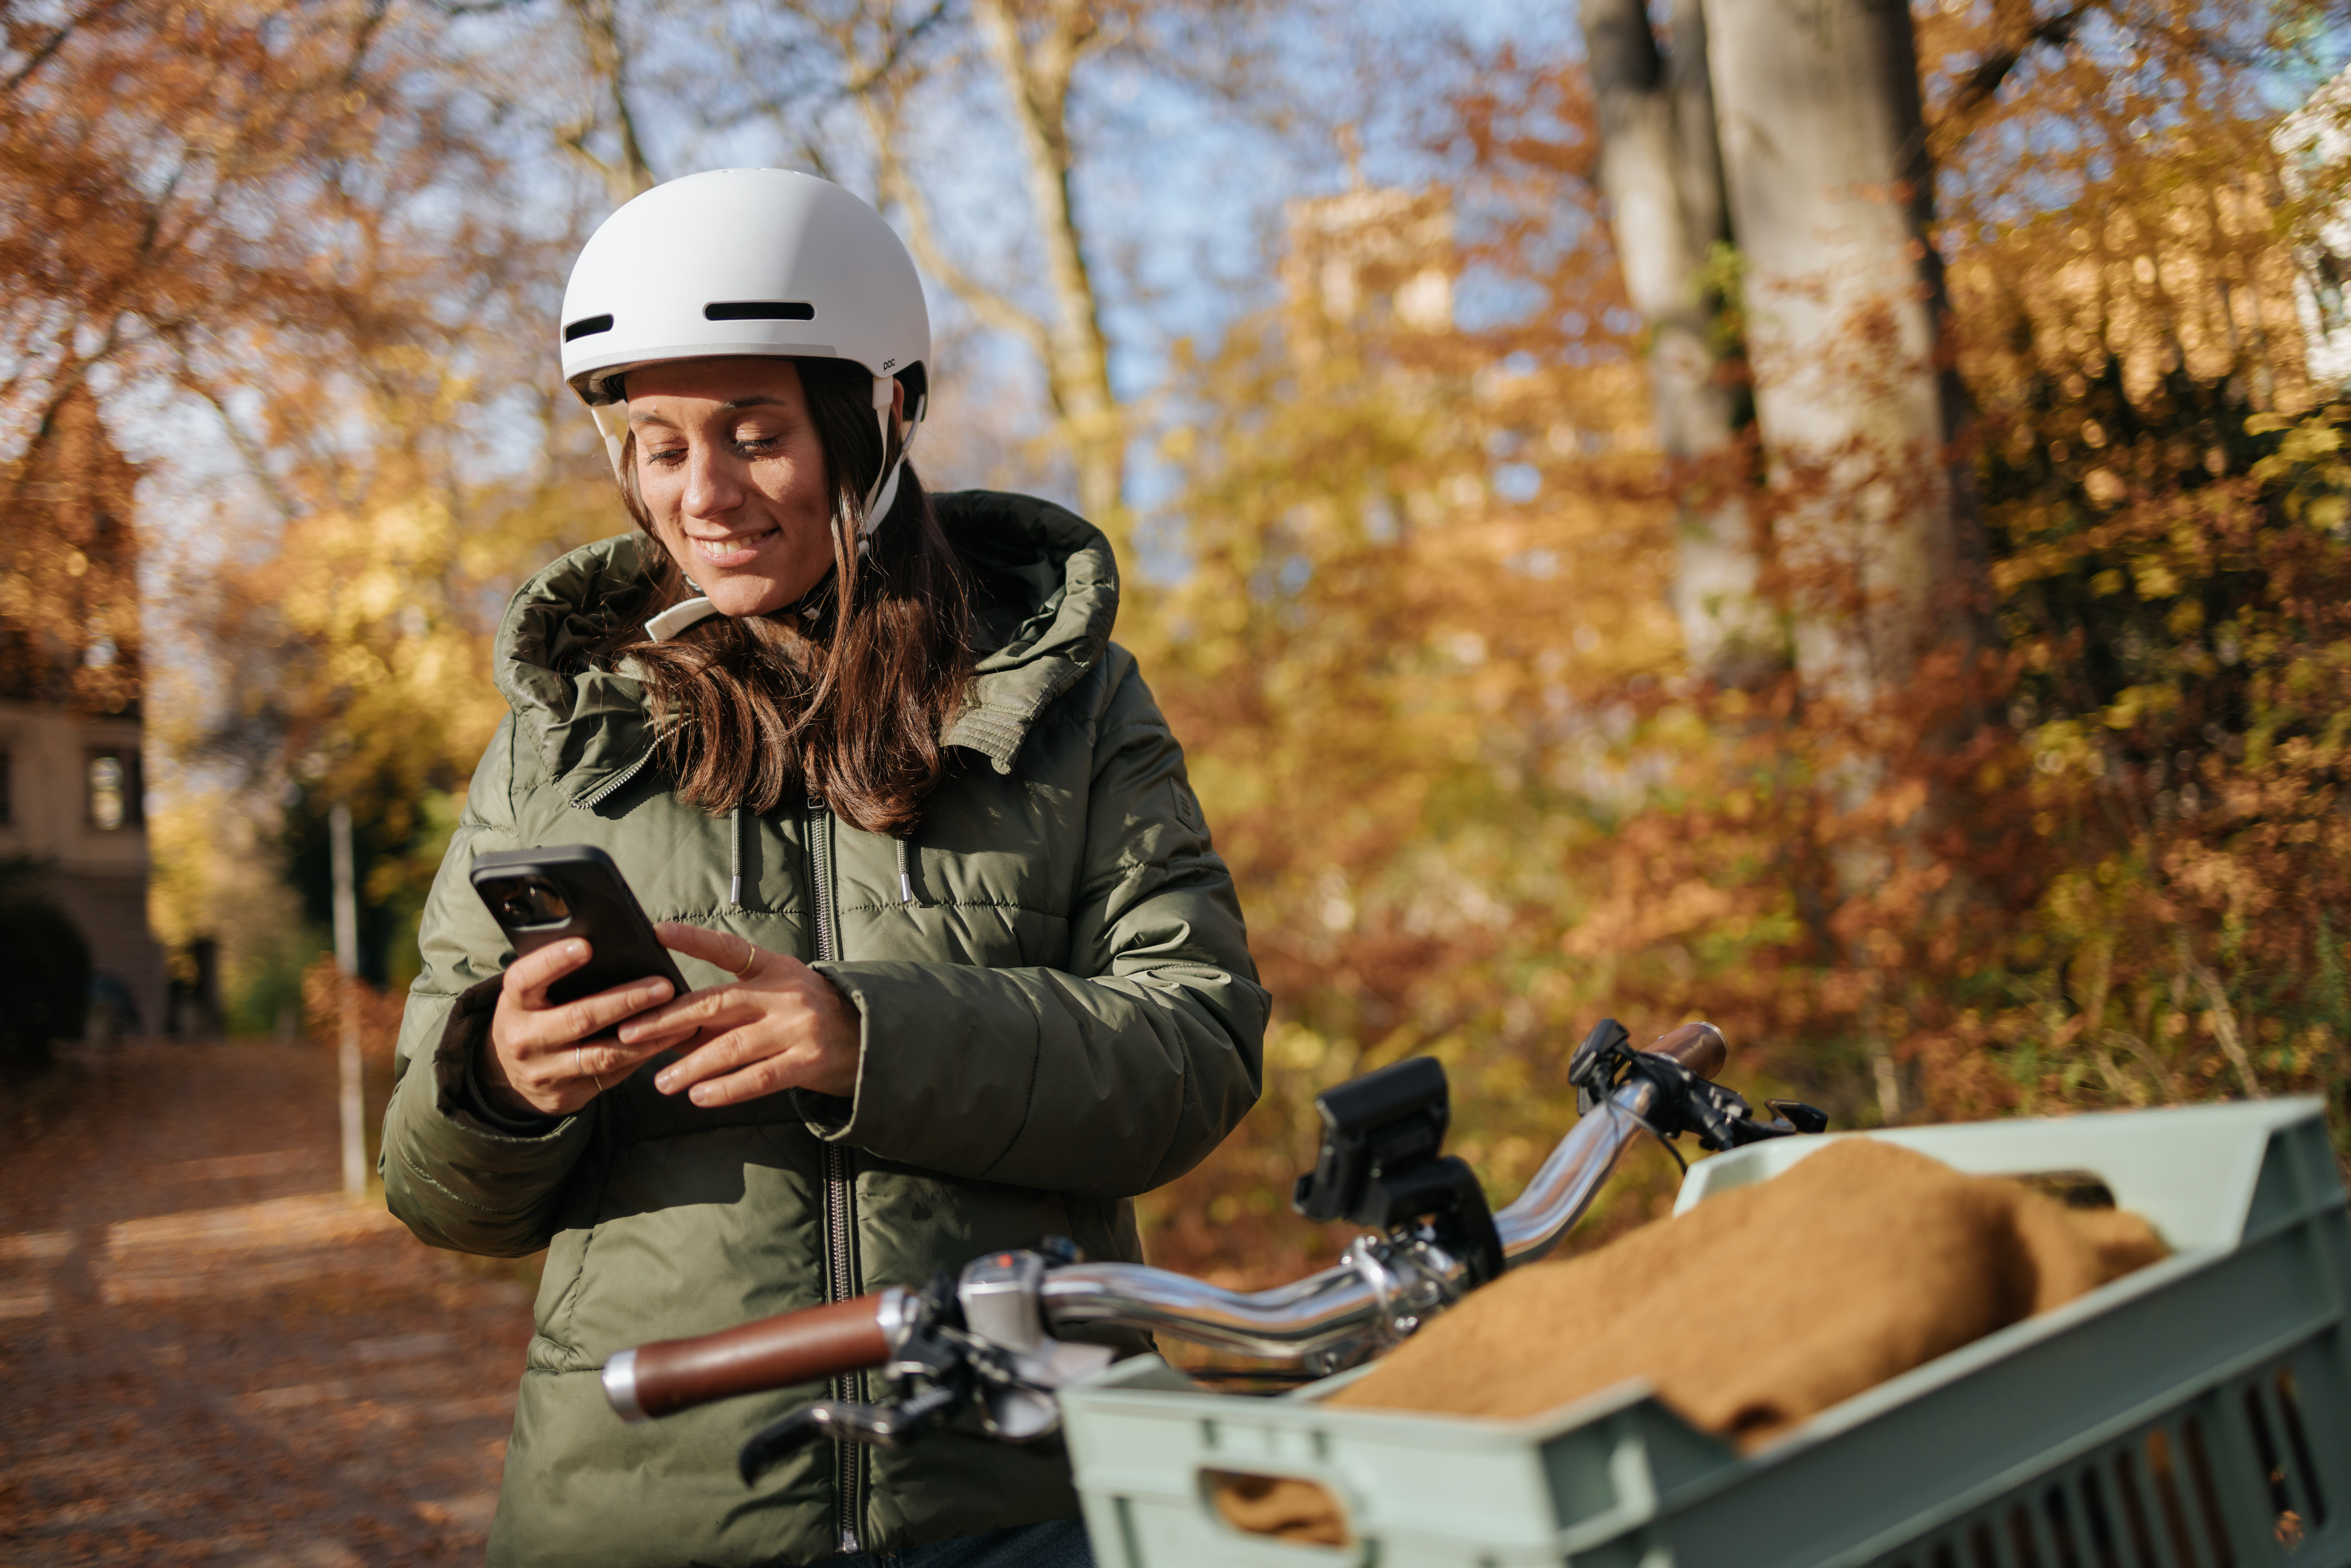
(206, 1355)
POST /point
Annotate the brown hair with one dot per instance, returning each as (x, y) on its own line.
(847, 704)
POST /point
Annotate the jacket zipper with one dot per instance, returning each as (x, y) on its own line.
(595, 797)
(840, 1193)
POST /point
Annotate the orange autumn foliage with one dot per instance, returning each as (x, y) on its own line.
(1420, 653)
(1477, 801)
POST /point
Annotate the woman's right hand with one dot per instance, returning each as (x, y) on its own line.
(552, 1059)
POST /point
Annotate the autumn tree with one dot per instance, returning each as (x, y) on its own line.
(1795, 133)
(1832, 202)
(1662, 173)
(1467, 833)
(1425, 604)
(285, 236)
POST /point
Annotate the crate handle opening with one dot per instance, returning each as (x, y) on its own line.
(1293, 1510)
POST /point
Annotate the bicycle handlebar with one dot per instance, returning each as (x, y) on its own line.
(1381, 1290)
(805, 1346)
(1309, 1316)
(1697, 1046)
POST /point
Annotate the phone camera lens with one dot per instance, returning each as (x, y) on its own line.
(548, 907)
(528, 902)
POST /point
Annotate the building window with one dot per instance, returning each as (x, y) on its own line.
(113, 789)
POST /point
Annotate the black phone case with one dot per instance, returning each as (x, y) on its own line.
(603, 911)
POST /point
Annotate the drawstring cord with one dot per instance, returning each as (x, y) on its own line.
(905, 876)
(735, 857)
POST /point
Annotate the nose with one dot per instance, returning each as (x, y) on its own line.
(711, 488)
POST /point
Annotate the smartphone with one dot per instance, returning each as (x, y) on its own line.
(538, 896)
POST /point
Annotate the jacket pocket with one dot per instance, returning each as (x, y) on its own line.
(697, 1233)
(559, 1282)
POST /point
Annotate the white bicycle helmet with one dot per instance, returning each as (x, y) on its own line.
(747, 261)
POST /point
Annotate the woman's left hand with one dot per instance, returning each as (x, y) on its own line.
(778, 1025)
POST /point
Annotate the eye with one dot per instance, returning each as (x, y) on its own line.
(758, 441)
(664, 456)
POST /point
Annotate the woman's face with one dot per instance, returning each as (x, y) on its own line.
(729, 465)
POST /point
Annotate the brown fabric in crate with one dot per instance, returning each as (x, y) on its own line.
(1773, 1302)
(1281, 1506)
(1755, 1310)
(1770, 1303)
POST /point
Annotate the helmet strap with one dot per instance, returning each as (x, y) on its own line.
(884, 493)
(612, 424)
(678, 617)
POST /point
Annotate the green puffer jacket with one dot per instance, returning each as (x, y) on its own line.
(1059, 1012)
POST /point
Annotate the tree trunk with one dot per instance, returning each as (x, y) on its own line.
(1035, 72)
(1660, 172)
(1825, 164)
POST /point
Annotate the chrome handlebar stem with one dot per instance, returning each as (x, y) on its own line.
(1320, 1312)
(1564, 1187)
(1378, 1294)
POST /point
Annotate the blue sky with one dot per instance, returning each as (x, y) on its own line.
(1180, 195)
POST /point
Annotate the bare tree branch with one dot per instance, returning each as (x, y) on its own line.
(898, 189)
(1973, 97)
(1036, 71)
(56, 40)
(189, 380)
(600, 31)
(884, 66)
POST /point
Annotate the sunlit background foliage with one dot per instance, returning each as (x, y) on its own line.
(1346, 367)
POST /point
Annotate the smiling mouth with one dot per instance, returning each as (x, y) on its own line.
(730, 549)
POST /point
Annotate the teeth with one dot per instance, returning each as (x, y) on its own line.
(734, 545)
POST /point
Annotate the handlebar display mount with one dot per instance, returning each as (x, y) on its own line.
(1379, 1165)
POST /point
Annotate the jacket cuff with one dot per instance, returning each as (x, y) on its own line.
(946, 1065)
(460, 1095)
(461, 1174)
(830, 1117)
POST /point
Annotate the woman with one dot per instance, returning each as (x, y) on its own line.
(966, 969)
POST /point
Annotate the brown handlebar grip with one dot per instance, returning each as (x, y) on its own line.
(1697, 1046)
(816, 1343)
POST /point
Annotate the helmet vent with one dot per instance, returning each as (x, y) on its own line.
(757, 310)
(587, 327)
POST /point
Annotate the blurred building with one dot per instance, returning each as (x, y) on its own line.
(72, 783)
(1378, 269)
(1372, 257)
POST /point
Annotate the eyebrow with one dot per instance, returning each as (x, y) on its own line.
(756, 401)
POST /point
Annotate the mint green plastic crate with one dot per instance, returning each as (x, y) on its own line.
(2194, 1414)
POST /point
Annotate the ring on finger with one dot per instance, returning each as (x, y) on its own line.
(580, 1068)
(750, 958)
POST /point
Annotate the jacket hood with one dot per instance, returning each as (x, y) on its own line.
(1045, 595)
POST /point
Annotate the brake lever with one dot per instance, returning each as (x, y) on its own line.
(890, 1426)
(1795, 1116)
(979, 1343)
(1685, 1102)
